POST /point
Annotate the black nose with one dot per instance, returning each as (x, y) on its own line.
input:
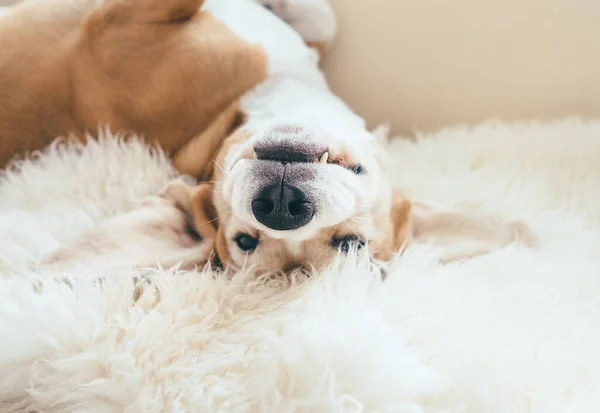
(289, 150)
(282, 207)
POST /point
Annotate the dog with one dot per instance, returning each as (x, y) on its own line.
(299, 180)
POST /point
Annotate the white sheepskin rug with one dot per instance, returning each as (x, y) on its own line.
(514, 331)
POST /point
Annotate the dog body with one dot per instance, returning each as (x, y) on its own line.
(163, 70)
(34, 106)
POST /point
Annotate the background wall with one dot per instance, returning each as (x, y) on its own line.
(428, 63)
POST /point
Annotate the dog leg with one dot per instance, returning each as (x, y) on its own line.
(159, 232)
(141, 11)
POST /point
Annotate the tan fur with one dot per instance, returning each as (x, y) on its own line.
(154, 67)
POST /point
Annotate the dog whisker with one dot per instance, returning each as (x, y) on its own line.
(216, 219)
(225, 172)
(355, 233)
(355, 220)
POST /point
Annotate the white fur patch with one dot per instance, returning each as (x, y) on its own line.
(512, 331)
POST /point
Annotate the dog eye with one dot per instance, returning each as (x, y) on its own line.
(358, 170)
(246, 242)
(348, 242)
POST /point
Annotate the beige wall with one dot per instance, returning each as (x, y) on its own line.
(427, 63)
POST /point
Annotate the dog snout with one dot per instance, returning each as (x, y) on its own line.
(289, 151)
(282, 207)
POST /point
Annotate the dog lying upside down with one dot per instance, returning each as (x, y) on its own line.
(298, 180)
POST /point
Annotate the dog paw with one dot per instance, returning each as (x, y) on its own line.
(178, 191)
(314, 20)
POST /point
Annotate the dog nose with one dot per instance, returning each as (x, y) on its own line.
(287, 151)
(282, 207)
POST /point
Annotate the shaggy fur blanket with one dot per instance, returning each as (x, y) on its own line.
(513, 331)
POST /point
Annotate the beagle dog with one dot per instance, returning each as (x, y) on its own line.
(290, 177)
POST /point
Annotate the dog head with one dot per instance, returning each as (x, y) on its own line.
(291, 197)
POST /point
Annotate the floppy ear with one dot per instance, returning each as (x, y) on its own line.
(197, 157)
(206, 220)
(398, 229)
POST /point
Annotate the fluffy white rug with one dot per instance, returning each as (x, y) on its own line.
(514, 331)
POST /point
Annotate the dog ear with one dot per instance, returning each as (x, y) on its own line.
(198, 156)
(462, 235)
(204, 214)
(206, 220)
(398, 229)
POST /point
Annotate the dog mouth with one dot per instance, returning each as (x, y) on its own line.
(326, 158)
(293, 153)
